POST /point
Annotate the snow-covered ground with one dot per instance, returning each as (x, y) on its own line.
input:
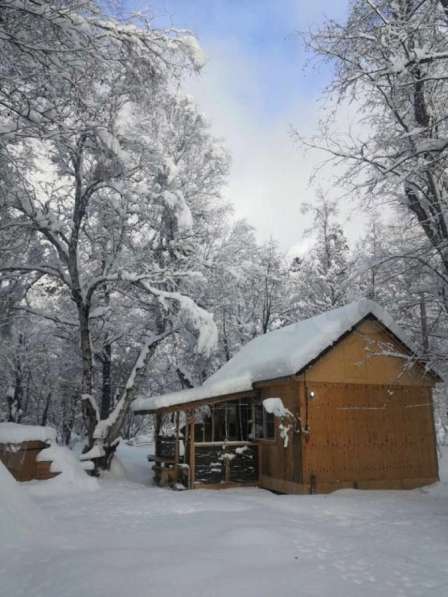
(130, 539)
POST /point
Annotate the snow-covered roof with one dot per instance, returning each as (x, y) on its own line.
(14, 433)
(280, 353)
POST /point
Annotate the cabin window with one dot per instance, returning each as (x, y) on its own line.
(264, 422)
(228, 421)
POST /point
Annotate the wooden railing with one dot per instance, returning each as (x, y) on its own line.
(226, 462)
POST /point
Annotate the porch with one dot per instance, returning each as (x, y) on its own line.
(215, 445)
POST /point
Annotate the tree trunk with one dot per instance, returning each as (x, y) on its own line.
(89, 410)
(185, 381)
(15, 399)
(106, 396)
(46, 410)
(68, 418)
(107, 434)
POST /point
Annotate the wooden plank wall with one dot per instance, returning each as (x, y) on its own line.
(277, 461)
(369, 433)
(357, 358)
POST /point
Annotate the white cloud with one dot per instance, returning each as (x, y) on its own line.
(270, 175)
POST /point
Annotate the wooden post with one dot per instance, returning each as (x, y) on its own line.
(192, 454)
(226, 421)
(434, 433)
(156, 432)
(297, 438)
(176, 457)
(226, 462)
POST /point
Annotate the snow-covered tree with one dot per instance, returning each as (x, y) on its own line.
(247, 289)
(319, 279)
(391, 61)
(105, 190)
(405, 286)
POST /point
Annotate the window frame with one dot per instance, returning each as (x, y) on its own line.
(258, 403)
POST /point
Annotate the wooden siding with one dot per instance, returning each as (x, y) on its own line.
(276, 460)
(361, 432)
(357, 359)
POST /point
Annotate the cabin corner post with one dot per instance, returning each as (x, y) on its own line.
(430, 391)
(304, 438)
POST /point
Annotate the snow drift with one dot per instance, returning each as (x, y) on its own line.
(20, 518)
(72, 477)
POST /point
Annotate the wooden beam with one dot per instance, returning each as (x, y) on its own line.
(275, 381)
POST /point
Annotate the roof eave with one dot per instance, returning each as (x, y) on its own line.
(196, 403)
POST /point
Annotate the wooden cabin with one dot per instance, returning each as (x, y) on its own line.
(353, 409)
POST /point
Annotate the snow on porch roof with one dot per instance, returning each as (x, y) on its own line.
(280, 353)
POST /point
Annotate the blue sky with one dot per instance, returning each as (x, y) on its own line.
(264, 30)
(254, 88)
